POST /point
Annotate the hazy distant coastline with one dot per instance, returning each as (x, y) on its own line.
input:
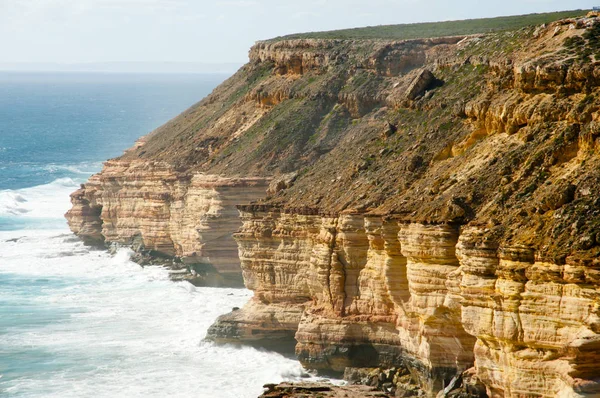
(124, 67)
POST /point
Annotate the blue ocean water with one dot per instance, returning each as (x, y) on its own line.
(55, 125)
(76, 322)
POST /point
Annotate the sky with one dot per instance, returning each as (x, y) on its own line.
(199, 31)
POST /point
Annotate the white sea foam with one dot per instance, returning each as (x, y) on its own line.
(110, 328)
(130, 331)
(43, 201)
(86, 168)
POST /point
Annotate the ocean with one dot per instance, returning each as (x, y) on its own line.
(79, 322)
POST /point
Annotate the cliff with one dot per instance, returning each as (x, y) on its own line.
(182, 219)
(432, 205)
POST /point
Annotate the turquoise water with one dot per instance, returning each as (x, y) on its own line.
(62, 125)
(76, 322)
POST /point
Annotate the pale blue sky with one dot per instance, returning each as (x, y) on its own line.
(81, 31)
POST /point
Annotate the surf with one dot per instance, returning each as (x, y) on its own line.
(77, 321)
(95, 324)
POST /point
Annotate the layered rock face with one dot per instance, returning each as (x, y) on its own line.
(371, 292)
(190, 217)
(536, 322)
(364, 291)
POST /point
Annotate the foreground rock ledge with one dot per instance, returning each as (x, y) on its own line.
(375, 382)
(298, 390)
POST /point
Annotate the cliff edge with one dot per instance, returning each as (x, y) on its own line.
(430, 205)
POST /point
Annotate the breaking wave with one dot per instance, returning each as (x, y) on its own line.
(42, 206)
(95, 325)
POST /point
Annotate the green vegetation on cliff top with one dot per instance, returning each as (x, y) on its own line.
(438, 29)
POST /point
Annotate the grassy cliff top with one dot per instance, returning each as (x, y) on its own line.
(437, 29)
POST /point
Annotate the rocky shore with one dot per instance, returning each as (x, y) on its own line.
(305, 390)
(378, 382)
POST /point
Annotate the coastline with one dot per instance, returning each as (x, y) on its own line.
(419, 210)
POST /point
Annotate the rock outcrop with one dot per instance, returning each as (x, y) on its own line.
(321, 390)
(186, 217)
(434, 299)
(371, 292)
(536, 322)
(432, 205)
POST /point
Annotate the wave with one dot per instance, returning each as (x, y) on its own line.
(48, 201)
(86, 168)
(96, 325)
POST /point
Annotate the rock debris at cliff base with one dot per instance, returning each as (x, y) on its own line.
(297, 390)
(434, 204)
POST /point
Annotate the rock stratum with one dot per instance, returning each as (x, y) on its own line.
(428, 205)
(166, 214)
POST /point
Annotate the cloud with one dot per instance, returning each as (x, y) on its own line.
(29, 7)
(306, 14)
(55, 17)
(237, 3)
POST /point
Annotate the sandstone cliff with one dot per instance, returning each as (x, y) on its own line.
(167, 214)
(433, 204)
